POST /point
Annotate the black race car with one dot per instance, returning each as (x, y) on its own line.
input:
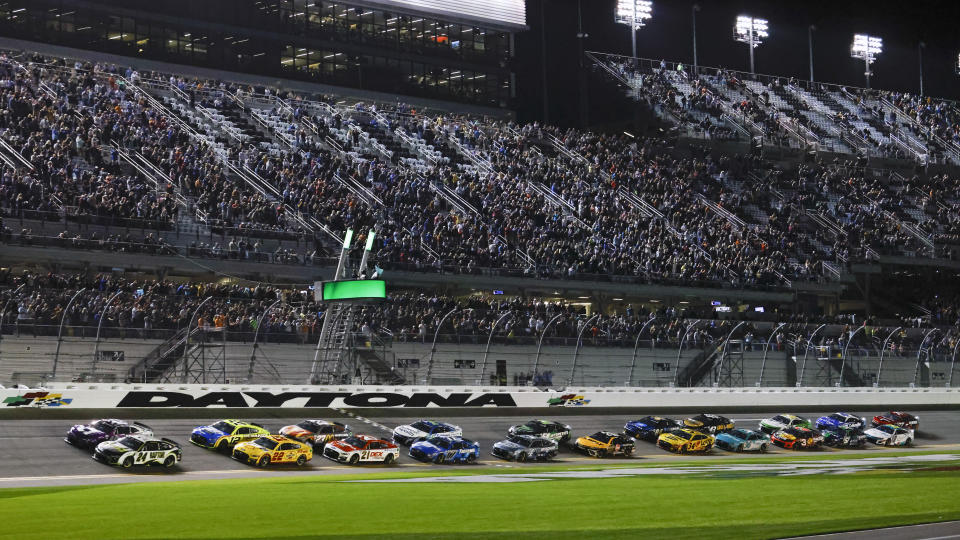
(843, 437)
(548, 429)
(649, 428)
(708, 423)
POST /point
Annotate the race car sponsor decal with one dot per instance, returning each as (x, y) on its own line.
(568, 400)
(37, 399)
(314, 399)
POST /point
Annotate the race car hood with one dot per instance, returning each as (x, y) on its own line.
(730, 438)
(689, 422)
(209, 433)
(427, 447)
(89, 433)
(590, 441)
(509, 446)
(877, 434)
(112, 447)
(772, 423)
(671, 438)
(408, 431)
(640, 425)
(783, 436)
(250, 448)
(295, 431)
(342, 446)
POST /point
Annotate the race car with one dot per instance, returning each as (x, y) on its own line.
(547, 429)
(421, 429)
(708, 423)
(445, 449)
(841, 420)
(685, 440)
(362, 449)
(525, 447)
(782, 421)
(226, 433)
(605, 443)
(108, 429)
(897, 418)
(138, 450)
(743, 440)
(273, 449)
(797, 438)
(317, 433)
(889, 435)
(843, 437)
(649, 428)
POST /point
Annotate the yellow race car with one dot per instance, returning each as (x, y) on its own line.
(273, 449)
(682, 441)
(224, 434)
(605, 443)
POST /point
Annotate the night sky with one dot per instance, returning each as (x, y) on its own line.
(902, 25)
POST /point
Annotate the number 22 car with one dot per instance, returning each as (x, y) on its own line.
(273, 449)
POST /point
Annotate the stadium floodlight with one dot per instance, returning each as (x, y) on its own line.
(866, 48)
(957, 65)
(752, 32)
(634, 13)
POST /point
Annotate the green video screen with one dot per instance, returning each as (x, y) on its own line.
(355, 289)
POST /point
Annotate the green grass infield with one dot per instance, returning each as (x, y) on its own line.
(682, 506)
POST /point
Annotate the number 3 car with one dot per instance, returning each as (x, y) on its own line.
(796, 438)
(362, 449)
(138, 450)
(273, 449)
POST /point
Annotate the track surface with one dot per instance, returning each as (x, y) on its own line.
(33, 453)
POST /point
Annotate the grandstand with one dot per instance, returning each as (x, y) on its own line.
(157, 217)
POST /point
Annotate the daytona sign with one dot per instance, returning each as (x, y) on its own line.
(314, 399)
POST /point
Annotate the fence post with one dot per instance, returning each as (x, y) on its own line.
(486, 352)
(433, 346)
(636, 344)
(96, 345)
(576, 347)
(883, 349)
(766, 348)
(805, 353)
(56, 356)
(676, 368)
(536, 361)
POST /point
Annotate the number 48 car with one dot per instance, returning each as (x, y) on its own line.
(362, 449)
(138, 450)
(523, 447)
(273, 449)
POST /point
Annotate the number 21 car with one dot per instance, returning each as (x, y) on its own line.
(273, 449)
(362, 449)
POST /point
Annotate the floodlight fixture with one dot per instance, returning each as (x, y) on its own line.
(634, 13)
(751, 31)
(866, 48)
(956, 66)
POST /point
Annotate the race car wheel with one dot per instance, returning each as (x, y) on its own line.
(354, 459)
(127, 463)
(263, 462)
(301, 460)
(169, 462)
(221, 446)
(471, 458)
(440, 459)
(601, 453)
(521, 457)
(763, 447)
(740, 448)
(628, 451)
(908, 442)
(592, 453)
(388, 460)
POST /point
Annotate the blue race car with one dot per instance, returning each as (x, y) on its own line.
(840, 421)
(649, 428)
(445, 449)
(743, 440)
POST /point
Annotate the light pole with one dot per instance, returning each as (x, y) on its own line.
(883, 350)
(920, 47)
(634, 13)
(486, 352)
(866, 48)
(56, 357)
(576, 348)
(810, 30)
(752, 32)
(693, 11)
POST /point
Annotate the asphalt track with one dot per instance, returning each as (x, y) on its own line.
(33, 452)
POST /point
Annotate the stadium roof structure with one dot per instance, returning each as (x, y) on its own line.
(506, 15)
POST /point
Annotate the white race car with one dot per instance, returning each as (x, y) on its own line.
(889, 435)
(421, 429)
(362, 449)
(781, 422)
(138, 450)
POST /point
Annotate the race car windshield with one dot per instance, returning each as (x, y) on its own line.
(838, 417)
(522, 441)
(796, 432)
(355, 441)
(223, 426)
(309, 426)
(267, 443)
(422, 426)
(781, 419)
(739, 433)
(130, 443)
(681, 434)
(440, 442)
(601, 436)
(888, 429)
(103, 425)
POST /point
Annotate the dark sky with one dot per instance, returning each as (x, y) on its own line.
(902, 25)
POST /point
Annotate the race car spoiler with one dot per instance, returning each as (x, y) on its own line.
(166, 440)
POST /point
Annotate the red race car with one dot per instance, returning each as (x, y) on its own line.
(897, 418)
(362, 449)
(796, 438)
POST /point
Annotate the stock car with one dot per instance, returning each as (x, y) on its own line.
(444, 449)
(796, 438)
(708, 423)
(782, 421)
(685, 440)
(889, 435)
(841, 420)
(525, 447)
(138, 450)
(649, 428)
(897, 418)
(605, 443)
(316, 433)
(843, 437)
(743, 440)
(273, 449)
(547, 429)
(362, 449)
(107, 429)
(226, 433)
(421, 429)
